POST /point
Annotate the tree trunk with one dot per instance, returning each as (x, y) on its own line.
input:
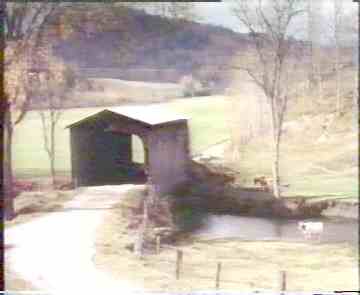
(337, 28)
(52, 153)
(311, 78)
(9, 211)
(320, 83)
(356, 104)
(276, 136)
(276, 168)
(338, 90)
(261, 115)
(140, 239)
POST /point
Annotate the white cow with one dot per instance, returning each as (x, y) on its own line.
(311, 229)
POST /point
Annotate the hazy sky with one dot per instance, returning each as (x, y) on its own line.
(219, 13)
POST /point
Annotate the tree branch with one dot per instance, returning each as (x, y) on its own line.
(44, 129)
(252, 75)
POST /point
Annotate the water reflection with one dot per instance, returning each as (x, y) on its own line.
(253, 228)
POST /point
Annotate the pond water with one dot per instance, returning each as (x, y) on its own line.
(254, 228)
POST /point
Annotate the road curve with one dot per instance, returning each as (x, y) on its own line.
(55, 252)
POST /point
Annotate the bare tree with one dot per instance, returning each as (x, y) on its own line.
(314, 21)
(248, 113)
(22, 22)
(352, 28)
(55, 83)
(310, 33)
(342, 29)
(268, 25)
(16, 102)
(338, 15)
(355, 97)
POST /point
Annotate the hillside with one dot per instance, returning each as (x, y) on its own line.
(319, 151)
(136, 43)
(319, 147)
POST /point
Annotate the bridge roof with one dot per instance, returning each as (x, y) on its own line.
(149, 115)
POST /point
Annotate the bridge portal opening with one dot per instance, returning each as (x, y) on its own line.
(138, 150)
(106, 156)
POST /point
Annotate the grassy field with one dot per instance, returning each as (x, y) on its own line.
(208, 123)
(245, 266)
(312, 169)
(308, 168)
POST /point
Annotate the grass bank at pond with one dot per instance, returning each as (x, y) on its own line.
(246, 265)
(325, 170)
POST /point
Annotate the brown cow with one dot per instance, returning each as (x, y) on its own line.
(265, 183)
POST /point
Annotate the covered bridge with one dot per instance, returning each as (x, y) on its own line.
(102, 148)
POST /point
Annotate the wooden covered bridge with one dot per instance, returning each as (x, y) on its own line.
(102, 149)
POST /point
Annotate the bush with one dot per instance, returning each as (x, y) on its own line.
(191, 86)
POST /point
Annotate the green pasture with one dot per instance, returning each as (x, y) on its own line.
(310, 170)
(209, 123)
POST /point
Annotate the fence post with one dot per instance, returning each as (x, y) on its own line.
(140, 239)
(179, 258)
(218, 270)
(157, 244)
(282, 280)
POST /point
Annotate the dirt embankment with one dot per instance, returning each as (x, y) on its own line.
(337, 208)
(215, 191)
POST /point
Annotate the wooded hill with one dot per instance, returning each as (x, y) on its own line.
(140, 44)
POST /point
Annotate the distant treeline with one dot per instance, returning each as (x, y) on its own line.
(137, 40)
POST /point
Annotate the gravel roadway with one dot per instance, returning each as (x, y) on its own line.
(55, 252)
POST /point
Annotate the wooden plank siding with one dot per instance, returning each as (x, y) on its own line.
(168, 156)
(101, 151)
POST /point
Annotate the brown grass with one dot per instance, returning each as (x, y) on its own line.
(247, 265)
(30, 205)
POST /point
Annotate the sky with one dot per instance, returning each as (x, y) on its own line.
(219, 13)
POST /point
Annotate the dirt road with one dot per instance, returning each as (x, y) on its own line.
(55, 252)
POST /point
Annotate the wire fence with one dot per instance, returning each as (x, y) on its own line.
(176, 264)
(198, 269)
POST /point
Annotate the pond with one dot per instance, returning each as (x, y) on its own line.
(255, 228)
